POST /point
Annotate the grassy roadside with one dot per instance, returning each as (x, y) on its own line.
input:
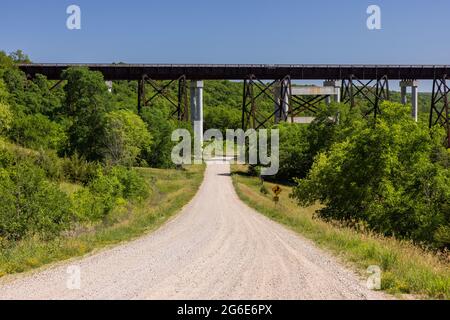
(407, 269)
(171, 190)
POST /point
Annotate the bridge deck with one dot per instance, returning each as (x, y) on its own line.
(242, 71)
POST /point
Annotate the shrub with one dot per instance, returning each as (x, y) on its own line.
(96, 201)
(254, 170)
(30, 205)
(161, 130)
(51, 164)
(78, 170)
(108, 188)
(7, 158)
(134, 185)
(38, 132)
(6, 118)
(88, 206)
(294, 157)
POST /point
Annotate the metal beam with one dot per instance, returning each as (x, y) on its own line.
(241, 71)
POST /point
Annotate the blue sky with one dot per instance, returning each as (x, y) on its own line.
(231, 31)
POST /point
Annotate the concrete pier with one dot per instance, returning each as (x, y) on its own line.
(281, 101)
(197, 111)
(336, 85)
(414, 84)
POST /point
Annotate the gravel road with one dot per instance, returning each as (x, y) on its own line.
(216, 248)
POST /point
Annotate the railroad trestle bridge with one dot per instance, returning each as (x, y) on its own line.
(342, 83)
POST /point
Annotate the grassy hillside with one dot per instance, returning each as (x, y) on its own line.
(170, 190)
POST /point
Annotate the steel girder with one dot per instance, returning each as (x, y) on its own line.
(373, 91)
(280, 93)
(254, 89)
(439, 111)
(180, 107)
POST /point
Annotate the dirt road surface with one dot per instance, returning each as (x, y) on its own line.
(216, 248)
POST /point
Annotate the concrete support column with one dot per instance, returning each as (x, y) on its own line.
(415, 101)
(337, 86)
(197, 112)
(414, 84)
(404, 98)
(281, 100)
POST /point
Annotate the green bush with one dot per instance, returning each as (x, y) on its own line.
(108, 188)
(134, 185)
(38, 132)
(51, 164)
(7, 158)
(78, 170)
(96, 201)
(6, 118)
(88, 206)
(222, 118)
(295, 161)
(160, 128)
(30, 205)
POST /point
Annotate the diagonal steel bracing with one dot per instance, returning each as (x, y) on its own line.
(180, 106)
(254, 91)
(439, 111)
(373, 91)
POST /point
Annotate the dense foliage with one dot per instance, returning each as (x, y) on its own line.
(75, 133)
(390, 174)
(126, 136)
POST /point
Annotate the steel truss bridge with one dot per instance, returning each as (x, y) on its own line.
(368, 81)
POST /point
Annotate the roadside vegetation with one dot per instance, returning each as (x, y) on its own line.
(390, 175)
(75, 166)
(377, 191)
(169, 191)
(407, 269)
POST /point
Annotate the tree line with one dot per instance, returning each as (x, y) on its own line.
(389, 175)
(75, 133)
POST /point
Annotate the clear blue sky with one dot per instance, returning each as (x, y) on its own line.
(231, 31)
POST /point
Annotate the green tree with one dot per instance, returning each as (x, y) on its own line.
(19, 56)
(30, 205)
(87, 105)
(6, 118)
(38, 131)
(126, 136)
(293, 153)
(383, 174)
(5, 63)
(161, 128)
(222, 118)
